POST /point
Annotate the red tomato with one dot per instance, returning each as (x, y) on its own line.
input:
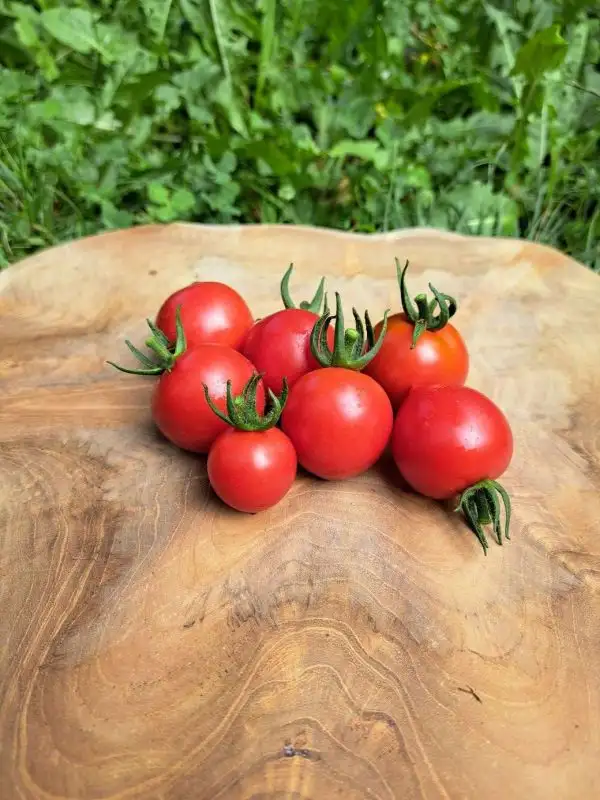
(448, 438)
(339, 421)
(279, 346)
(211, 313)
(252, 470)
(439, 357)
(179, 407)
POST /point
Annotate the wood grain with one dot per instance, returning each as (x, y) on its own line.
(352, 642)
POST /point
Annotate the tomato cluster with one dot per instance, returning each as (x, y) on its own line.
(298, 387)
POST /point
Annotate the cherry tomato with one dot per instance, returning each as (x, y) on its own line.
(279, 346)
(439, 357)
(252, 470)
(448, 438)
(179, 407)
(211, 313)
(339, 421)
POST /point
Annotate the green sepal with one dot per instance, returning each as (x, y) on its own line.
(482, 505)
(422, 312)
(313, 305)
(165, 352)
(349, 344)
(241, 409)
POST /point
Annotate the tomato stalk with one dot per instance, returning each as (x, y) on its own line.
(313, 305)
(422, 312)
(242, 413)
(481, 504)
(166, 352)
(348, 343)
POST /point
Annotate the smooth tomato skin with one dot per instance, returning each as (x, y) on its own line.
(279, 346)
(439, 357)
(211, 313)
(339, 421)
(252, 470)
(446, 438)
(179, 407)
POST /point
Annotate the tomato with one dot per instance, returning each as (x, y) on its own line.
(179, 405)
(420, 348)
(211, 313)
(439, 357)
(252, 470)
(449, 440)
(279, 346)
(339, 421)
(179, 408)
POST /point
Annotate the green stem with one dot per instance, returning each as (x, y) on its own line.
(422, 312)
(482, 505)
(242, 413)
(313, 305)
(348, 343)
(165, 352)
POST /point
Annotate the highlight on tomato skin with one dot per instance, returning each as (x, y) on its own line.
(453, 441)
(211, 313)
(421, 346)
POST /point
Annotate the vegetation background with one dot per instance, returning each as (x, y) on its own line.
(363, 115)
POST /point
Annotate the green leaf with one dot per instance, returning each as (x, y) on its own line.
(158, 193)
(157, 13)
(183, 200)
(367, 150)
(73, 27)
(544, 52)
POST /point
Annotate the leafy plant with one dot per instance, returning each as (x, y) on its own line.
(368, 115)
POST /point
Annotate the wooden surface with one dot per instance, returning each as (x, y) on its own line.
(352, 642)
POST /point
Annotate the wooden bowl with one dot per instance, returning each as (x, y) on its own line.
(353, 641)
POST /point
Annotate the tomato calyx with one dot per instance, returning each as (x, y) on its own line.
(422, 312)
(166, 353)
(313, 305)
(348, 343)
(481, 504)
(241, 409)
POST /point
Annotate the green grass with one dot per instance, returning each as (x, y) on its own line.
(367, 115)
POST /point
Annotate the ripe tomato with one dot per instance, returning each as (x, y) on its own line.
(211, 313)
(439, 357)
(279, 346)
(252, 470)
(339, 421)
(179, 407)
(449, 440)
(420, 348)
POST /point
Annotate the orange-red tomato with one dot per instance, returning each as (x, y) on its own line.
(439, 358)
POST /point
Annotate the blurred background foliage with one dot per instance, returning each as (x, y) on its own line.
(362, 115)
